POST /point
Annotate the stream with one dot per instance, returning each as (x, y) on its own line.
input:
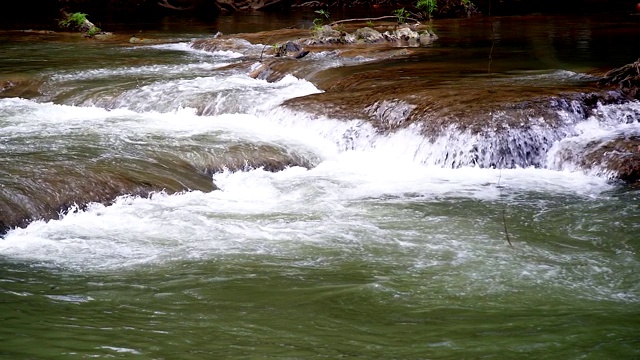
(159, 203)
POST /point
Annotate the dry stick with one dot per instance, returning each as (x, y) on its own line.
(504, 210)
(504, 222)
(265, 45)
(370, 19)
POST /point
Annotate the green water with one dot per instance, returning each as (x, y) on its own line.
(423, 280)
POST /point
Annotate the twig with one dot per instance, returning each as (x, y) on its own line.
(504, 209)
(166, 4)
(504, 222)
(271, 37)
(370, 19)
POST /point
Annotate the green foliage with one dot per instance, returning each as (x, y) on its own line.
(324, 13)
(449, 7)
(401, 14)
(469, 7)
(427, 6)
(93, 31)
(318, 22)
(73, 20)
(370, 24)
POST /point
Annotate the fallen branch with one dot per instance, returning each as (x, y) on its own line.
(166, 4)
(371, 19)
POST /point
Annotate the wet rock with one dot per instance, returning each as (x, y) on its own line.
(368, 35)
(45, 194)
(389, 114)
(405, 33)
(619, 157)
(326, 35)
(137, 40)
(21, 86)
(223, 44)
(262, 72)
(246, 157)
(301, 54)
(625, 78)
(103, 36)
(427, 38)
(290, 49)
(39, 32)
(327, 31)
(6, 85)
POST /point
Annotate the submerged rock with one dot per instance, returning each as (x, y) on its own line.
(46, 194)
(138, 40)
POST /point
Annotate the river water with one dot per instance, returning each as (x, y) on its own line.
(371, 250)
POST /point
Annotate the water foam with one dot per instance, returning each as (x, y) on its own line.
(340, 205)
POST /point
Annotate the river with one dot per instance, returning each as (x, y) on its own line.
(356, 245)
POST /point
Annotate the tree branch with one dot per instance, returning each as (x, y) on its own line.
(370, 19)
(166, 4)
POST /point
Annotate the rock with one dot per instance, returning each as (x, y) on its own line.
(619, 157)
(301, 54)
(39, 32)
(327, 32)
(389, 114)
(137, 40)
(427, 38)
(291, 49)
(288, 49)
(325, 36)
(368, 35)
(223, 44)
(103, 36)
(625, 78)
(262, 72)
(405, 33)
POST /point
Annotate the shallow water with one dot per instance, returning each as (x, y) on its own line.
(377, 248)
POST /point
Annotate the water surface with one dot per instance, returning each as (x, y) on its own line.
(375, 248)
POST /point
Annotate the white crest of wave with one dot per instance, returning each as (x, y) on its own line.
(212, 95)
(258, 212)
(609, 122)
(186, 47)
(156, 70)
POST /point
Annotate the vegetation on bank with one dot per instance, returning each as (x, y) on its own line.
(78, 22)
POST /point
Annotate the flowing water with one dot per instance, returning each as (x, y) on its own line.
(355, 245)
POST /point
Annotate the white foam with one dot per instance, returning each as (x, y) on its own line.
(148, 70)
(186, 47)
